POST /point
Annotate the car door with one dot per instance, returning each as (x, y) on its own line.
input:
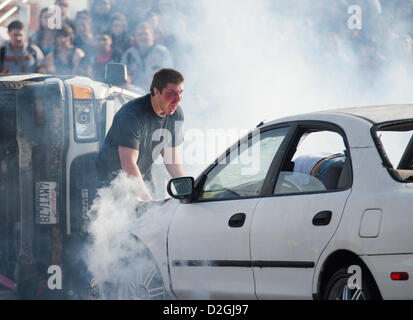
(294, 223)
(209, 239)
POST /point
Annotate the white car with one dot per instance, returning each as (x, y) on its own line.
(306, 207)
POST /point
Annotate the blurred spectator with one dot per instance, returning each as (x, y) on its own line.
(84, 38)
(146, 57)
(121, 40)
(45, 38)
(135, 11)
(172, 28)
(17, 56)
(66, 58)
(104, 54)
(100, 12)
(64, 7)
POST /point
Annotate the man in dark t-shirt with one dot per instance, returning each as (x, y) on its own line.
(143, 129)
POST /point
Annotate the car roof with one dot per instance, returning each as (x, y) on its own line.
(369, 115)
(378, 114)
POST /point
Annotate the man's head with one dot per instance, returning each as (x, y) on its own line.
(101, 7)
(83, 24)
(104, 42)
(65, 36)
(118, 24)
(144, 36)
(17, 34)
(64, 6)
(167, 90)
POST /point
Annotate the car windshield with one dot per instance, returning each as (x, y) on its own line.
(397, 142)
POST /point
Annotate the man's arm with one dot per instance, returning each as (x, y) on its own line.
(173, 162)
(128, 159)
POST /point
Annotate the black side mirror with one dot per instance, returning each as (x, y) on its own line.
(116, 74)
(181, 188)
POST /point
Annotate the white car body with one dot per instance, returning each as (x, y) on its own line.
(278, 253)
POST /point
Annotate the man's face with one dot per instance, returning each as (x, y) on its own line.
(144, 38)
(103, 7)
(170, 97)
(17, 38)
(83, 27)
(117, 27)
(104, 43)
(64, 7)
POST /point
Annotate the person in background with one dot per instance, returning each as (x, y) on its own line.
(135, 11)
(44, 38)
(101, 11)
(66, 58)
(64, 7)
(104, 54)
(84, 36)
(146, 57)
(17, 56)
(121, 40)
(85, 40)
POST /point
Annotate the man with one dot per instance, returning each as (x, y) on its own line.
(17, 56)
(64, 7)
(104, 54)
(85, 41)
(142, 130)
(146, 57)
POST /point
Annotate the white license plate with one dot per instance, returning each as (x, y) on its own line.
(46, 203)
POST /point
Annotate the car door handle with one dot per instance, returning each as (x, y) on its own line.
(237, 220)
(322, 218)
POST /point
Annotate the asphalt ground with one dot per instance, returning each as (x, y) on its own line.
(6, 294)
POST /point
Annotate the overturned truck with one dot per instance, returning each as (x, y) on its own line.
(51, 129)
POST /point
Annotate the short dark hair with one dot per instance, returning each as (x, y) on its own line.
(66, 31)
(164, 76)
(15, 25)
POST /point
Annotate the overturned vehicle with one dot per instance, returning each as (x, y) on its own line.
(51, 128)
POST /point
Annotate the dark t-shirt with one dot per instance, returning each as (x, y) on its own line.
(138, 127)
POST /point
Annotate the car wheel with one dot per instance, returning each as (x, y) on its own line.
(147, 284)
(142, 280)
(337, 287)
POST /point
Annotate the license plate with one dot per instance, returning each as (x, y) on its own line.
(46, 203)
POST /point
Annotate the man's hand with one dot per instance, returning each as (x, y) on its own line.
(128, 159)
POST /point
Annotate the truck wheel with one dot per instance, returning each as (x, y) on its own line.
(337, 287)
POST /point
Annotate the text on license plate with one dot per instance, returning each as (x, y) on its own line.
(46, 203)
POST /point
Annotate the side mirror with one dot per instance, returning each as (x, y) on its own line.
(181, 188)
(116, 74)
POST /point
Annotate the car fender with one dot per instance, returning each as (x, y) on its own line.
(152, 229)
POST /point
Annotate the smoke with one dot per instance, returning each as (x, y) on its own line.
(118, 261)
(249, 61)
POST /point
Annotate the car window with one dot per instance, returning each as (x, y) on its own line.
(243, 171)
(396, 142)
(319, 163)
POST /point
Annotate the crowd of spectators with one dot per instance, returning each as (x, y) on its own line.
(146, 35)
(138, 33)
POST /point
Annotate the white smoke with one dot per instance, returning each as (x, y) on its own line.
(117, 261)
(260, 60)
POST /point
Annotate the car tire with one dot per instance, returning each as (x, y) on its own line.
(337, 288)
(142, 281)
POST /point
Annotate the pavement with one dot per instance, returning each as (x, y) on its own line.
(6, 294)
